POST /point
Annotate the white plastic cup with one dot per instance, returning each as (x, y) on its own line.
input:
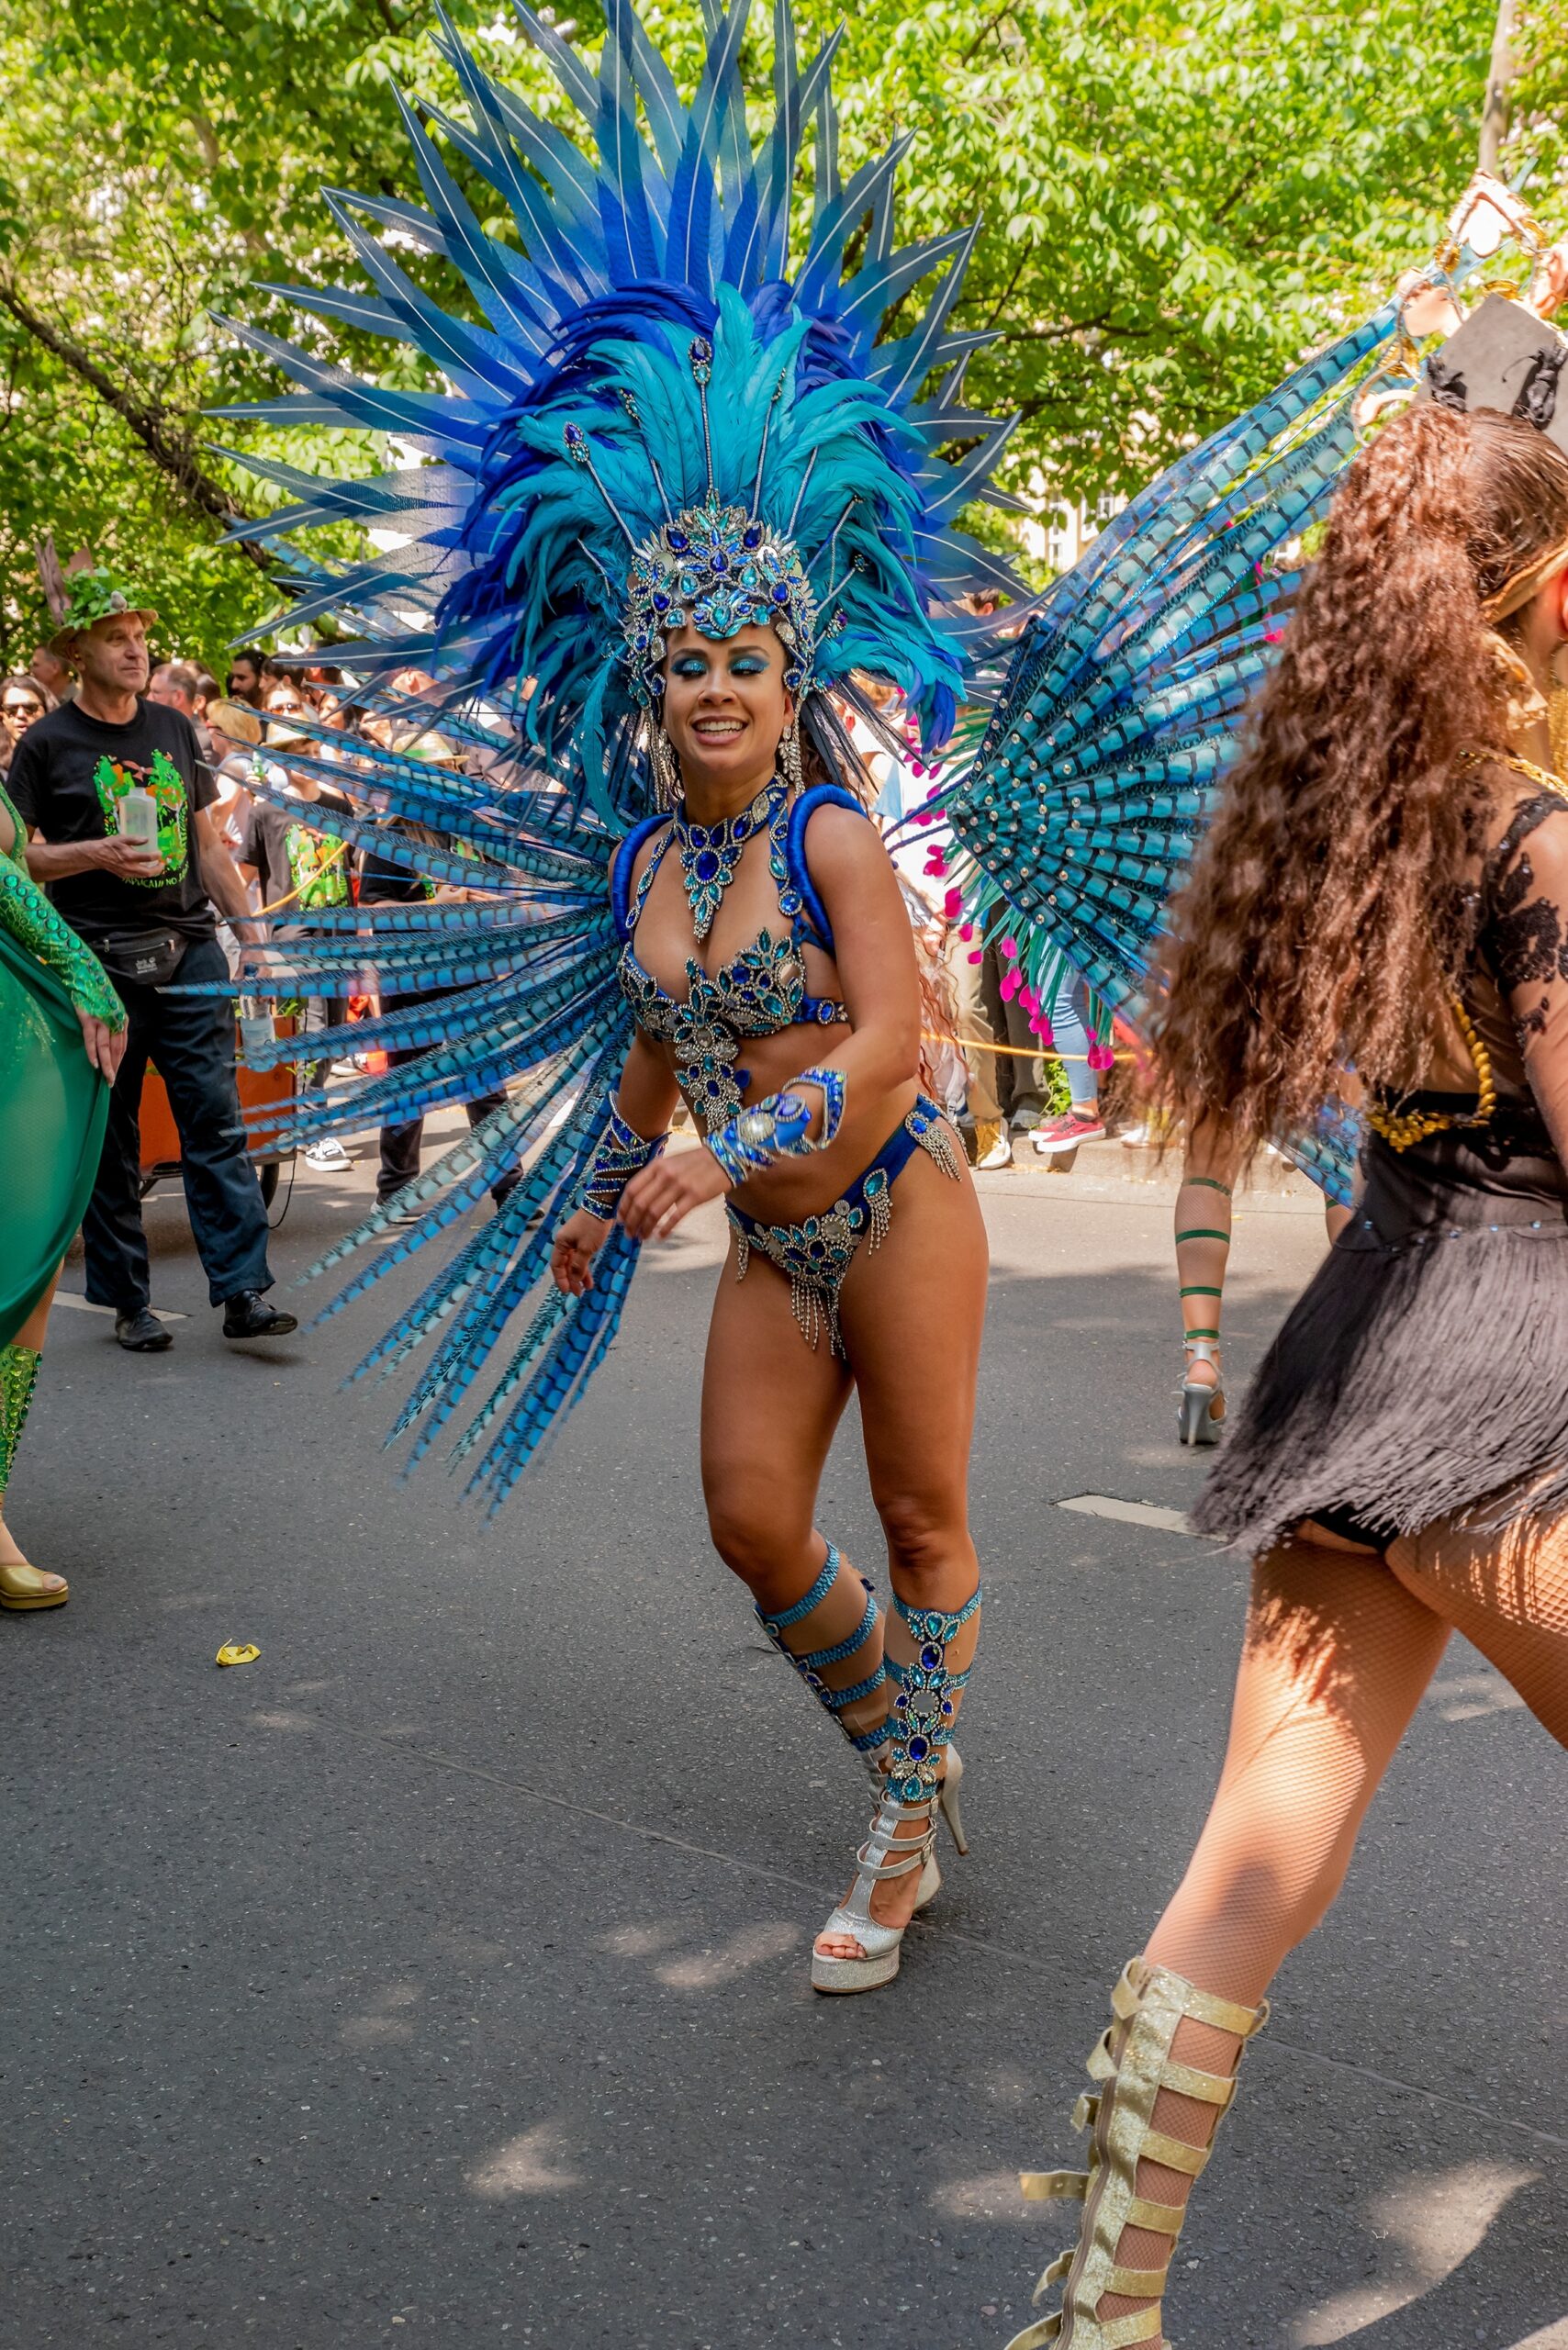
(139, 818)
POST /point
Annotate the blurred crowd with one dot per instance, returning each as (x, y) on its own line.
(1013, 1071)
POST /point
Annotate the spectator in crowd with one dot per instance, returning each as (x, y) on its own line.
(1067, 1014)
(383, 882)
(48, 671)
(244, 679)
(22, 700)
(207, 690)
(299, 871)
(235, 731)
(176, 685)
(148, 912)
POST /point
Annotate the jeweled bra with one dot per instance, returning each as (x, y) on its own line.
(761, 992)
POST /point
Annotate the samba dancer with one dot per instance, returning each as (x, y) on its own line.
(683, 497)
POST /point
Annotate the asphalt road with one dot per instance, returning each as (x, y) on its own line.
(440, 1977)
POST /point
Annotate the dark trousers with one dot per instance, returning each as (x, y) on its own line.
(400, 1144)
(191, 1041)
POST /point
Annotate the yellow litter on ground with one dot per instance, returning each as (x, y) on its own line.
(234, 1653)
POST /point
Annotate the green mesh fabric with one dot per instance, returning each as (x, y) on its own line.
(18, 1377)
(53, 1106)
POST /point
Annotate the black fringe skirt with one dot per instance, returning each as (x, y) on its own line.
(1424, 1372)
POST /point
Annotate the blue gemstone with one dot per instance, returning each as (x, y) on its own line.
(931, 1657)
(679, 541)
(919, 1747)
(780, 592)
(706, 867)
(720, 562)
(661, 603)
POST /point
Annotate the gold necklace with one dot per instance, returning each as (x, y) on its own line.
(1520, 766)
(1400, 1129)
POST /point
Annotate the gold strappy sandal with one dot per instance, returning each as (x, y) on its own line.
(1150, 2002)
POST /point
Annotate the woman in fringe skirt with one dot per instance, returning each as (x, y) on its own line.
(1385, 883)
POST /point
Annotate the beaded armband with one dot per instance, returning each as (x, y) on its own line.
(32, 921)
(777, 1128)
(619, 1153)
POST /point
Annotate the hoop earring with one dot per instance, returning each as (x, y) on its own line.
(661, 757)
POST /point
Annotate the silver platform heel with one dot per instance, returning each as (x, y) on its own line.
(1197, 1422)
(884, 1854)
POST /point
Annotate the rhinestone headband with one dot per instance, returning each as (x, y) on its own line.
(717, 569)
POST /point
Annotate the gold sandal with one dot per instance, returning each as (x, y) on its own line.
(1149, 2002)
(24, 1586)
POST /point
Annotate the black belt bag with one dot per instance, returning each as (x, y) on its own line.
(143, 959)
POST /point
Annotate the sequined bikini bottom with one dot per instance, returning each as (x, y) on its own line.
(815, 1256)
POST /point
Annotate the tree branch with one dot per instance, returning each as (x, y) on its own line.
(985, 32)
(169, 450)
(1071, 326)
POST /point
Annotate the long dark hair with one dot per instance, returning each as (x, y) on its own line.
(1305, 932)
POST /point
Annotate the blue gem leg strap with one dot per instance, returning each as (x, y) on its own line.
(832, 1637)
(929, 1682)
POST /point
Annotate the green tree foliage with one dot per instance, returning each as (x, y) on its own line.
(1178, 197)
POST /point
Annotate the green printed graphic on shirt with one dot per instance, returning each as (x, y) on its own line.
(317, 867)
(166, 784)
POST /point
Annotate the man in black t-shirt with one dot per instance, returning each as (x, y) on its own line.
(148, 913)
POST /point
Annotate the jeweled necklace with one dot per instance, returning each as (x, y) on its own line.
(710, 854)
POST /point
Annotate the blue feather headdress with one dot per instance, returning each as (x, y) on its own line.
(668, 410)
(660, 419)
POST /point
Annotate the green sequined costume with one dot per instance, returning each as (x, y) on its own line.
(53, 1103)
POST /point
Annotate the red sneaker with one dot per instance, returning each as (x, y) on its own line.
(1053, 1135)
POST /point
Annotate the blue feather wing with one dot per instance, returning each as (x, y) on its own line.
(1123, 705)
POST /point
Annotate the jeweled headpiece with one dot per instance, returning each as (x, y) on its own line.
(717, 569)
(654, 420)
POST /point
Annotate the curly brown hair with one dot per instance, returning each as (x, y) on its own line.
(1305, 936)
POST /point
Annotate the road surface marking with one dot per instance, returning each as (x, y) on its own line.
(1168, 1521)
(87, 1306)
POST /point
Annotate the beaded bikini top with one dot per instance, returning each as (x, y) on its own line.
(760, 991)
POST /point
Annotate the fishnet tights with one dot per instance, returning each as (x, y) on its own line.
(1340, 1647)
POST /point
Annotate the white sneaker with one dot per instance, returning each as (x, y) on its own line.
(999, 1154)
(327, 1156)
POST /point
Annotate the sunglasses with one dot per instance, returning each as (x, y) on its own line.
(22, 709)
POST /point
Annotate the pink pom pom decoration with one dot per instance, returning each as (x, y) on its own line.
(1011, 983)
(1010, 948)
(977, 956)
(1102, 1057)
(953, 904)
(965, 932)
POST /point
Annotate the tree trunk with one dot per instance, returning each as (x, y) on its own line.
(1494, 112)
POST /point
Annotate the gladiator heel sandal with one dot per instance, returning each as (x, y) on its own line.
(857, 1695)
(924, 1774)
(1198, 1421)
(1149, 2004)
